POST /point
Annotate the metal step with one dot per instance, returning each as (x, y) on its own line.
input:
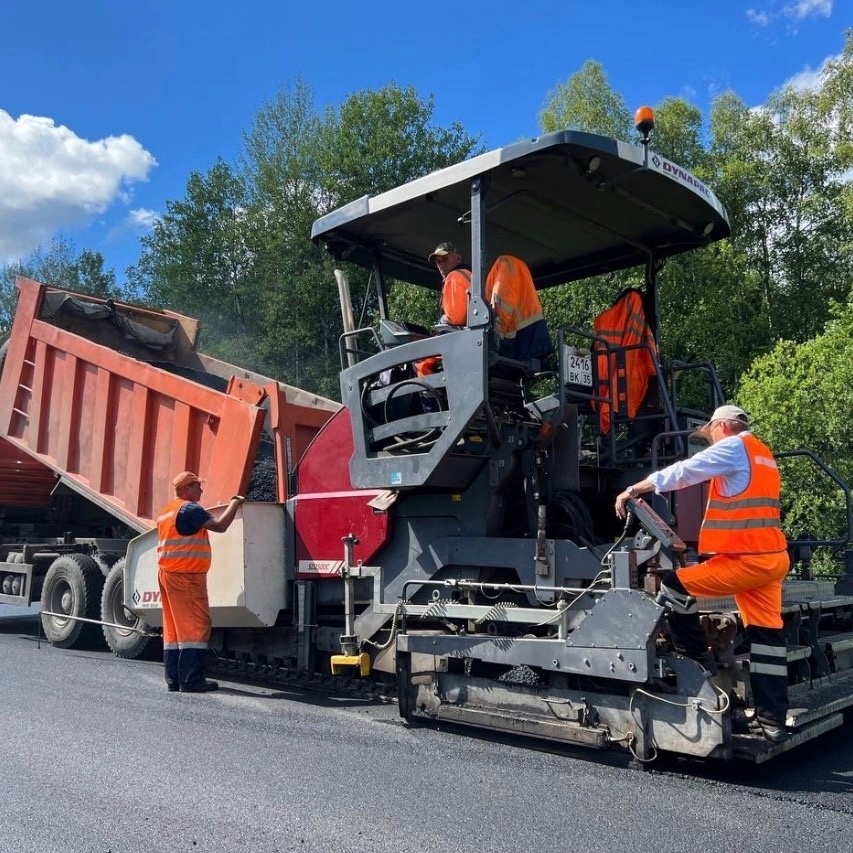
(837, 642)
(799, 653)
(812, 701)
(758, 749)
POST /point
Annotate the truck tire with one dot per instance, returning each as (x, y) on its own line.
(72, 586)
(123, 642)
(105, 561)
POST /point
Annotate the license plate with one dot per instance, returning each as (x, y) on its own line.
(577, 367)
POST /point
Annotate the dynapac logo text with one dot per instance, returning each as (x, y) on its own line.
(685, 177)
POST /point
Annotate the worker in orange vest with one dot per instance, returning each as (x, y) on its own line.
(519, 322)
(455, 290)
(747, 556)
(183, 553)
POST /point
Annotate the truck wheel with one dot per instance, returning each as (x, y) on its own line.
(105, 561)
(72, 587)
(123, 641)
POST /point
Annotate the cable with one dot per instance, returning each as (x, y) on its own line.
(630, 737)
(697, 703)
(628, 519)
(601, 576)
(395, 619)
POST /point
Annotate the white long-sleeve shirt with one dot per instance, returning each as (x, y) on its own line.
(727, 459)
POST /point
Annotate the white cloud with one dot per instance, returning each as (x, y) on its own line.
(51, 179)
(760, 18)
(807, 8)
(138, 221)
(142, 219)
(798, 11)
(810, 78)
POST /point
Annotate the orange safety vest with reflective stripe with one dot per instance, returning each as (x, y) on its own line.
(454, 296)
(454, 309)
(623, 324)
(179, 553)
(749, 522)
(512, 294)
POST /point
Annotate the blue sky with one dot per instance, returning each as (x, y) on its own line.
(106, 107)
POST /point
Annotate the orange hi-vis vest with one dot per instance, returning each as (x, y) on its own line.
(454, 296)
(177, 553)
(623, 324)
(747, 523)
(512, 294)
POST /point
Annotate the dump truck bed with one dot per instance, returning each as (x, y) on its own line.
(115, 399)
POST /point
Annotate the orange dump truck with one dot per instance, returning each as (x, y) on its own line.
(101, 403)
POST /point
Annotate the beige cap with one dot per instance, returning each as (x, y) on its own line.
(185, 478)
(725, 413)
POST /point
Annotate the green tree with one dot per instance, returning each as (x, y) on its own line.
(586, 102)
(196, 257)
(801, 396)
(678, 135)
(60, 266)
(237, 249)
(378, 139)
(374, 141)
(782, 172)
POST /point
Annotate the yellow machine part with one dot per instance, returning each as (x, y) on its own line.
(362, 661)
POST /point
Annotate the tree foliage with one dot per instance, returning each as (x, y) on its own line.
(801, 396)
(237, 249)
(58, 265)
(196, 258)
(586, 102)
(783, 173)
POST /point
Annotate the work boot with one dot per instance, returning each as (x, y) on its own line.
(741, 720)
(678, 602)
(203, 687)
(172, 686)
(772, 731)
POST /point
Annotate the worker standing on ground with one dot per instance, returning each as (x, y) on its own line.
(748, 558)
(183, 551)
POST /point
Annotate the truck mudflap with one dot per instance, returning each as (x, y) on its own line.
(247, 583)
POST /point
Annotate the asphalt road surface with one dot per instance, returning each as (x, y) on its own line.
(97, 756)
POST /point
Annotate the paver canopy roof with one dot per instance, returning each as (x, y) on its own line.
(571, 204)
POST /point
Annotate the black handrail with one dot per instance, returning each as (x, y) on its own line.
(840, 482)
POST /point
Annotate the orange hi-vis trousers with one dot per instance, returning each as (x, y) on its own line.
(186, 626)
(755, 581)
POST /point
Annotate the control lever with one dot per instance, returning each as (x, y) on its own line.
(654, 525)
